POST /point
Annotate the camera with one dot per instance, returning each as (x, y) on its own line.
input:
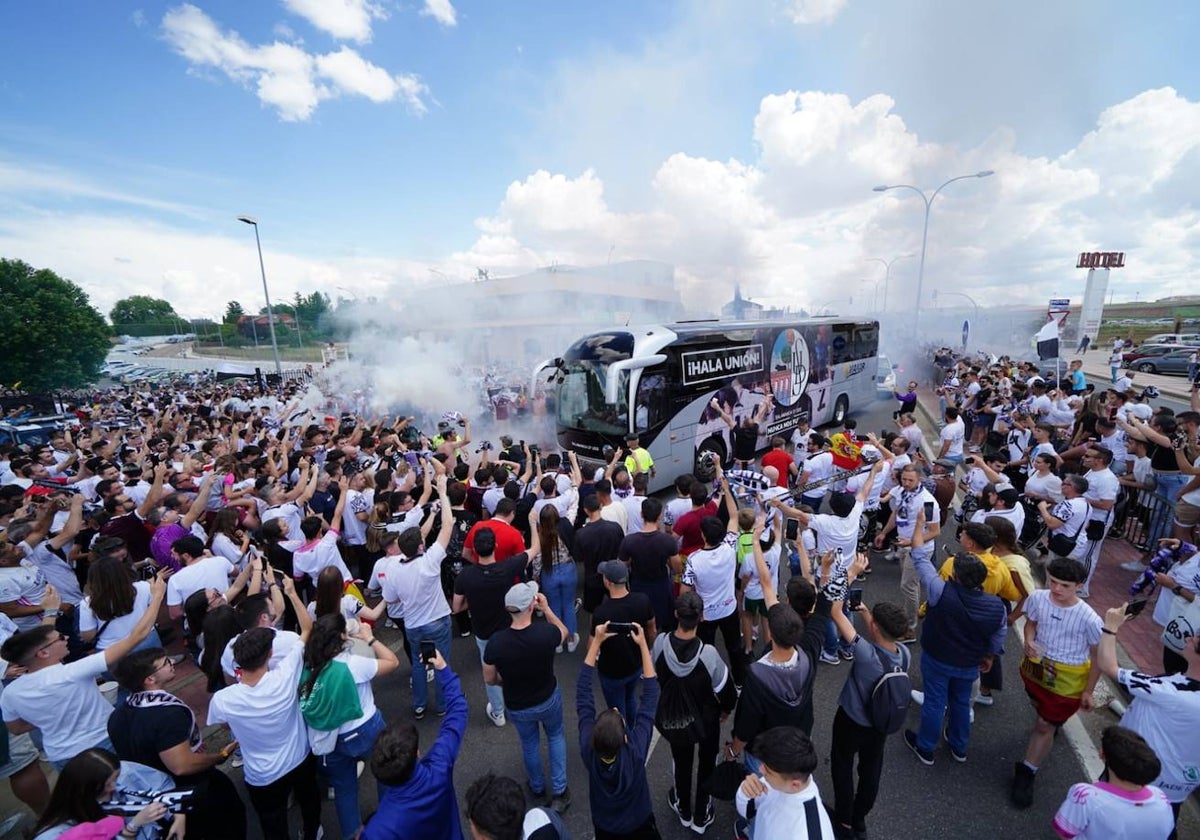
(486, 446)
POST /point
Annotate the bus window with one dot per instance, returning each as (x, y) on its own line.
(581, 402)
(653, 404)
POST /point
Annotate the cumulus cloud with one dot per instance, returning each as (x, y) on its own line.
(442, 11)
(808, 12)
(285, 76)
(346, 20)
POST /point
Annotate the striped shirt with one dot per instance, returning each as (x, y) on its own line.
(1065, 634)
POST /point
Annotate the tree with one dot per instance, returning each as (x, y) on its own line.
(50, 334)
(141, 309)
(233, 311)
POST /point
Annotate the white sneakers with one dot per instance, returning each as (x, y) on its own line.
(497, 719)
(572, 643)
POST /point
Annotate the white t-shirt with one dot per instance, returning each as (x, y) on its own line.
(1040, 406)
(710, 572)
(1016, 516)
(288, 511)
(1166, 712)
(285, 642)
(1102, 811)
(975, 480)
(614, 511)
(1123, 384)
(1047, 487)
(1185, 574)
(354, 530)
(64, 702)
(205, 573)
(674, 509)
(907, 504)
(1016, 441)
(1065, 634)
(1193, 497)
(1073, 513)
(314, 557)
(363, 669)
(265, 719)
(817, 468)
(119, 627)
(1102, 485)
(834, 532)
(782, 815)
(953, 432)
(633, 513)
(222, 546)
(379, 573)
(914, 436)
(749, 572)
(418, 585)
(350, 607)
(25, 584)
(56, 571)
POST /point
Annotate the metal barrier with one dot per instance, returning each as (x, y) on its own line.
(1142, 517)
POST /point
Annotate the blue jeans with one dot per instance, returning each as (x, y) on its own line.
(339, 769)
(833, 639)
(955, 458)
(495, 693)
(559, 583)
(945, 685)
(550, 715)
(1166, 486)
(439, 632)
(620, 693)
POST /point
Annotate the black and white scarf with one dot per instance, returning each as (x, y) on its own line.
(149, 699)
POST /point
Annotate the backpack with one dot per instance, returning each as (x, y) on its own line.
(891, 695)
(678, 714)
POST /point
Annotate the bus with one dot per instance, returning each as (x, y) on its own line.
(660, 381)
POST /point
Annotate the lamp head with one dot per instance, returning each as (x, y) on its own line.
(984, 173)
(882, 188)
(250, 220)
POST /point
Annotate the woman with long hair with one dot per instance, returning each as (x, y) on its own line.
(278, 544)
(342, 732)
(377, 522)
(228, 539)
(90, 779)
(558, 576)
(220, 625)
(114, 603)
(198, 605)
(331, 597)
(1009, 552)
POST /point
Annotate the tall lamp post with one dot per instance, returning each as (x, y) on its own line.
(887, 264)
(928, 199)
(250, 220)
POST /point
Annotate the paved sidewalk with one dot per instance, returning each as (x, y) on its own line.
(1095, 368)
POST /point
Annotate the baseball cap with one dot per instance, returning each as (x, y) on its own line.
(520, 596)
(947, 463)
(614, 571)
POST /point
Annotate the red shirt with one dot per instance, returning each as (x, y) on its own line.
(687, 528)
(780, 460)
(508, 539)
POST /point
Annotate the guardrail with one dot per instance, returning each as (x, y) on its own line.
(1142, 517)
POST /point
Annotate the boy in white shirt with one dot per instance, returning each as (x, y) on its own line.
(784, 800)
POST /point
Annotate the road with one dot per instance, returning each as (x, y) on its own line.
(948, 800)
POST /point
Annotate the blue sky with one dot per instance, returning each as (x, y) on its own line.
(509, 135)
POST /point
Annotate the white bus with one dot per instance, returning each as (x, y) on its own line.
(819, 368)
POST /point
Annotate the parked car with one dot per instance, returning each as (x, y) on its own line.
(1146, 349)
(1174, 360)
(1191, 339)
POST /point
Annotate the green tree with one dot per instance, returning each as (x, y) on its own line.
(50, 334)
(233, 311)
(141, 309)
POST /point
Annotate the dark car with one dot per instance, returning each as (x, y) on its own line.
(1170, 361)
(1146, 350)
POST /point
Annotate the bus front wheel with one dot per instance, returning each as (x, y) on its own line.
(840, 409)
(709, 452)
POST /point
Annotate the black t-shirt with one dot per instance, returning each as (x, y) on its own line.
(648, 553)
(525, 660)
(745, 441)
(596, 542)
(485, 586)
(620, 657)
(141, 734)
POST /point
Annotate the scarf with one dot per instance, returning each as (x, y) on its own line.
(151, 699)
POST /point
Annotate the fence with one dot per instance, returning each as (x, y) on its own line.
(1142, 517)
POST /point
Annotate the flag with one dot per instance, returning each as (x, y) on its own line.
(1047, 341)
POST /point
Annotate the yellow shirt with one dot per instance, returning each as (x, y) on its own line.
(999, 580)
(639, 460)
(1019, 563)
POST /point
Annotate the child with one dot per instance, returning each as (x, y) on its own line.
(1125, 804)
(784, 800)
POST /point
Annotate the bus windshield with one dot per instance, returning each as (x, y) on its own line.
(581, 402)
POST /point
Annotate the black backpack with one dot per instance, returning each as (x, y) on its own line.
(887, 707)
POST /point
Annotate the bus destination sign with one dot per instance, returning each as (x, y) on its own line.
(721, 363)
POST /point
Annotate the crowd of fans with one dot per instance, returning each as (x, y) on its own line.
(273, 542)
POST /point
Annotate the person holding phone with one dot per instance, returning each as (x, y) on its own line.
(911, 500)
(618, 663)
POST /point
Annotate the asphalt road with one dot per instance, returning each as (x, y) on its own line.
(947, 800)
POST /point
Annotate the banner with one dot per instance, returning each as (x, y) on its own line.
(1047, 340)
(1092, 313)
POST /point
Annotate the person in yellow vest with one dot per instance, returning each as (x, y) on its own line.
(638, 460)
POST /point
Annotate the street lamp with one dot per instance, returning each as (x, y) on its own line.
(888, 272)
(925, 232)
(250, 220)
(959, 294)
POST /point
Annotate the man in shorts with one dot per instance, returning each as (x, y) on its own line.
(1059, 667)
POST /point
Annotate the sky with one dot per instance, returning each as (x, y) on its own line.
(388, 146)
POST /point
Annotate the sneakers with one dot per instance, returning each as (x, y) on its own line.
(985, 700)
(237, 760)
(536, 797)
(685, 819)
(497, 719)
(741, 829)
(918, 697)
(700, 823)
(572, 643)
(1022, 785)
(560, 802)
(961, 758)
(830, 658)
(1133, 566)
(578, 604)
(846, 653)
(419, 713)
(910, 738)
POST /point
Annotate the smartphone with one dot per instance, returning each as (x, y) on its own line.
(855, 599)
(1134, 607)
(928, 512)
(624, 628)
(428, 651)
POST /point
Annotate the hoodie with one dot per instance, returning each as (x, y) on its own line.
(618, 791)
(700, 668)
